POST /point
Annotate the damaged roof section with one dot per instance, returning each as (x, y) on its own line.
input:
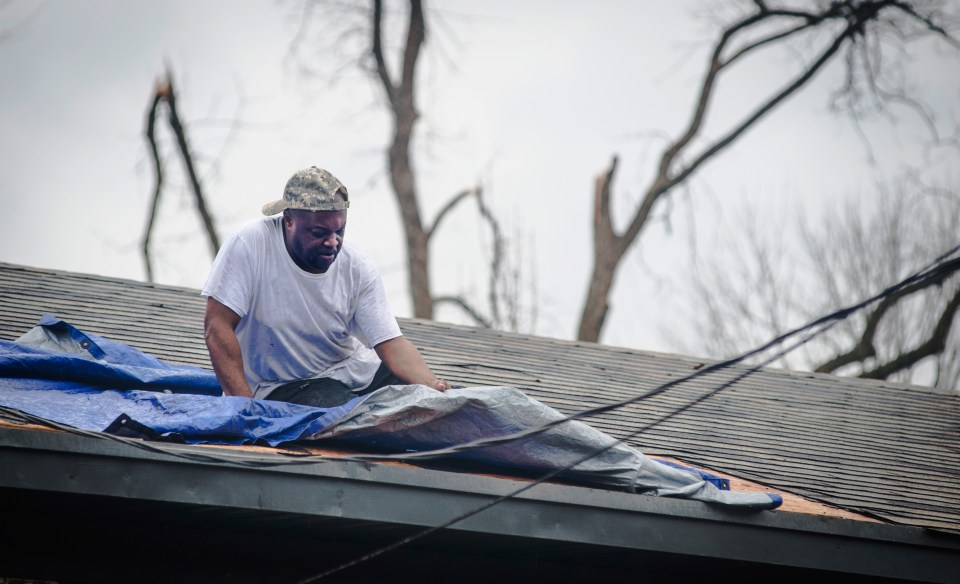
(885, 450)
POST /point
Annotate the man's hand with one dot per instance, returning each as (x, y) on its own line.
(405, 361)
(219, 332)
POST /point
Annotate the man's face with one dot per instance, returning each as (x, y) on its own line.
(314, 238)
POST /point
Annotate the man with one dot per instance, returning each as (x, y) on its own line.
(294, 315)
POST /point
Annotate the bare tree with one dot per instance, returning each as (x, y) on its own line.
(164, 93)
(858, 29)
(400, 90)
(757, 287)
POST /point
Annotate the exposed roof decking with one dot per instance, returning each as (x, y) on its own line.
(889, 450)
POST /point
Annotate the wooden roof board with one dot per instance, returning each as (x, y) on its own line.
(884, 448)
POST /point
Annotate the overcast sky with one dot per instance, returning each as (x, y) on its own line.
(530, 99)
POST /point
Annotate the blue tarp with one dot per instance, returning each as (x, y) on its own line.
(60, 373)
(57, 351)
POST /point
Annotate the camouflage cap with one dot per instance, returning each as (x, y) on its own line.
(312, 189)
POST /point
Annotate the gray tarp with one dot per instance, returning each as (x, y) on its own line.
(416, 418)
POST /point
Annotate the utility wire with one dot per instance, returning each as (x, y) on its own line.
(928, 272)
(816, 327)
(557, 471)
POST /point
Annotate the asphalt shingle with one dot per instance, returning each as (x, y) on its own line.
(887, 450)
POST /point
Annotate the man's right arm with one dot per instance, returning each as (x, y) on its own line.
(219, 332)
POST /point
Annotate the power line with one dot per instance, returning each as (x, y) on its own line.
(555, 472)
(930, 271)
(817, 327)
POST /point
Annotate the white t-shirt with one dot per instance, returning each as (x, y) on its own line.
(294, 324)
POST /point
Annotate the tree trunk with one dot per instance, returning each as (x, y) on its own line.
(402, 96)
(404, 186)
(595, 307)
(608, 249)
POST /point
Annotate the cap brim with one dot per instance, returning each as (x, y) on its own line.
(275, 207)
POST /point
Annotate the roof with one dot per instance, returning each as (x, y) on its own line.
(882, 449)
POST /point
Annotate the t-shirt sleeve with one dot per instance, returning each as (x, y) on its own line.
(229, 282)
(374, 322)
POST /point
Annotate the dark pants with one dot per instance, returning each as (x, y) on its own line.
(328, 393)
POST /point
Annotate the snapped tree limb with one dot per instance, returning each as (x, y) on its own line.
(150, 134)
(846, 23)
(177, 126)
(164, 93)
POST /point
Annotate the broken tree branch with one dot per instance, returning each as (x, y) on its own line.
(465, 306)
(451, 204)
(180, 133)
(666, 180)
(844, 21)
(377, 51)
(933, 346)
(496, 259)
(866, 348)
(159, 93)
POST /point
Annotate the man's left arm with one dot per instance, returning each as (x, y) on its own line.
(405, 361)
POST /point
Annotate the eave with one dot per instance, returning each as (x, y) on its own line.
(82, 489)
